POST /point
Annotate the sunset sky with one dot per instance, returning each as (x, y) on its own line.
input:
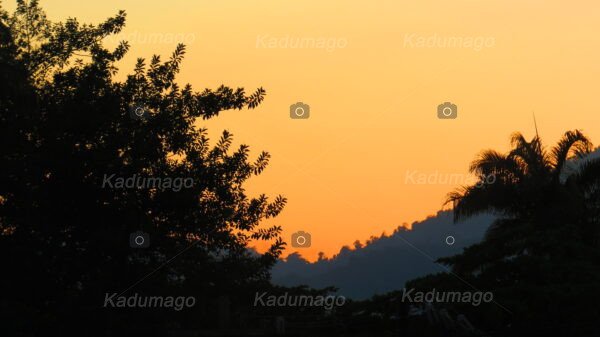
(373, 90)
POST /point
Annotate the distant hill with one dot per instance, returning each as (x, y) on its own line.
(387, 262)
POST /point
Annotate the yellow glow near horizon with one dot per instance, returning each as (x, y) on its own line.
(373, 101)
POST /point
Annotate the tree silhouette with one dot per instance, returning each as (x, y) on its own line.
(66, 124)
(540, 257)
(534, 194)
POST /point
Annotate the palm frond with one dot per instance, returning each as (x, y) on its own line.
(572, 142)
(494, 163)
(530, 155)
(588, 175)
(473, 200)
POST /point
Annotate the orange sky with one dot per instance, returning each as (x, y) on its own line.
(373, 97)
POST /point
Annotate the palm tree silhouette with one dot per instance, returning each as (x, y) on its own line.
(543, 199)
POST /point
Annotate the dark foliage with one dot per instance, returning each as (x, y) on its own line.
(64, 238)
(541, 258)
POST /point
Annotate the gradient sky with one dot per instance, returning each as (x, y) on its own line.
(373, 101)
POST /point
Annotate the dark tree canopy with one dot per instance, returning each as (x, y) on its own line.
(67, 123)
(64, 237)
(541, 257)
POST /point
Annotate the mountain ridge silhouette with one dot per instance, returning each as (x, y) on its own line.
(386, 263)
